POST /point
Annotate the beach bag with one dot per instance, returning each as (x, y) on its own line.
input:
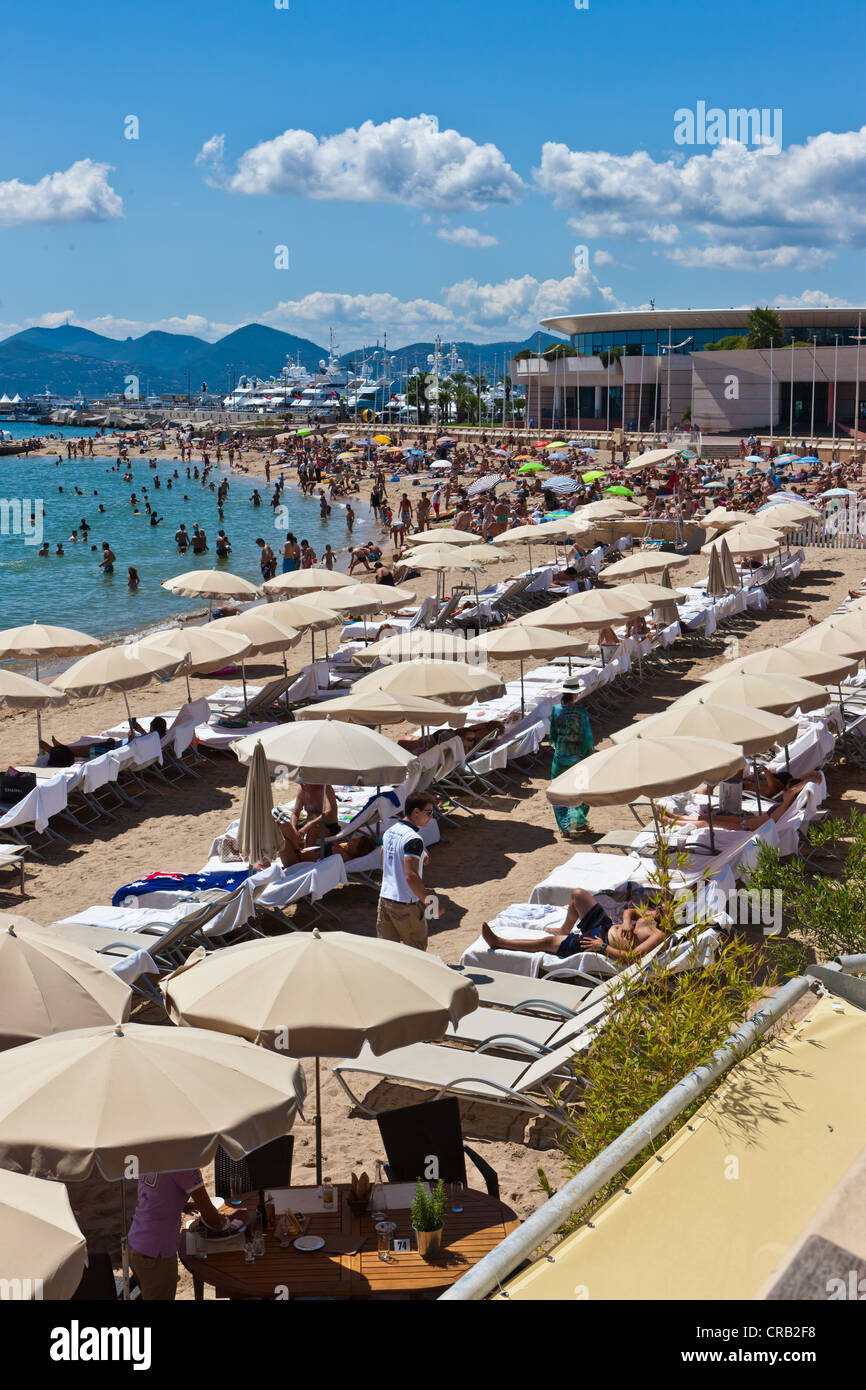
(14, 786)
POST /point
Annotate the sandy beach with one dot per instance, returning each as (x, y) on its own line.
(477, 868)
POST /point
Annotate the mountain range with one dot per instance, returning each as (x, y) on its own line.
(68, 359)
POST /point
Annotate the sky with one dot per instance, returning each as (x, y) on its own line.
(463, 168)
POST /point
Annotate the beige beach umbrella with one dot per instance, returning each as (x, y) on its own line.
(486, 555)
(125, 667)
(384, 707)
(522, 535)
(49, 984)
(830, 638)
(646, 766)
(305, 615)
(452, 682)
(729, 569)
(365, 598)
(514, 643)
(264, 632)
(321, 996)
(307, 581)
(787, 661)
(211, 585)
(753, 730)
(258, 837)
(650, 458)
(329, 752)
(445, 558)
(659, 595)
(748, 540)
(794, 514)
(20, 692)
(607, 508)
(43, 1253)
(724, 519)
(596, 608)
(445, 535)
(205, 649)
(412, 646)
(37, 641)
(778, 694)
(644, 562)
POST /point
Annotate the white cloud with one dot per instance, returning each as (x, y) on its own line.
(603, 258)
(80, 193)
(113, 327)
(405, 160)
(811, 299)
(728, 256)
(815, 192)
(467, 236)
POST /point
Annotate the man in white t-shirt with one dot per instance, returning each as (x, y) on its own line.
(401, 915)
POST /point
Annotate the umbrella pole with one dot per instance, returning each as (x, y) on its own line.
(128, 715)
(522, 701)
(757, 784)
(244, 682)
(710, 818)
(787, 760)
(318, 1127)
(188, 691)
(38, 718)
(656, 824)
(124, 1244)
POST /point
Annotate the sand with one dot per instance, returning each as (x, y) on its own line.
(479, 867)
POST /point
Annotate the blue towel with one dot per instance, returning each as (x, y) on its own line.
(180, 883)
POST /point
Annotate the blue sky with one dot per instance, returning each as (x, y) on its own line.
(548, 128)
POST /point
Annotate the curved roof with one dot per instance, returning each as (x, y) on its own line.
(694, 318)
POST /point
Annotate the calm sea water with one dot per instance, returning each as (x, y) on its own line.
(29, 429)
(71, 590)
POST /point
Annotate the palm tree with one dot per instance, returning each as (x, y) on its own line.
(416, 394)
(765, 328)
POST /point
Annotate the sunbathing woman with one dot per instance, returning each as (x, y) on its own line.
(587, 927)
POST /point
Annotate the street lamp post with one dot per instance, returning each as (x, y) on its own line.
(670, 348)
(859, 340)
(812, 421)
(835, 386)
(771, 391)
(791, 422)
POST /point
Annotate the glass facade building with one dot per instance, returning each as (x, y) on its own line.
(650, 341)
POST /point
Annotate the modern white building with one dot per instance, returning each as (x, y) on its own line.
(651, 369)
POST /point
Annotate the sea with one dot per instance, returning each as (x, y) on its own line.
(71, 590)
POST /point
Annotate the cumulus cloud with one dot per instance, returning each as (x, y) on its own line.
(405, 160)
(811, 299)
(81, 193)
(470, 308)
(811, 195)
(729, 256)
(467, 236)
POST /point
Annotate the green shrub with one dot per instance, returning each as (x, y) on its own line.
(428, 1208)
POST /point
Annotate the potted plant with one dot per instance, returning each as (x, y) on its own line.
(428, 1216)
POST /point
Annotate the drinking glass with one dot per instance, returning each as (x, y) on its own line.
(456, 1194)
(384, 1232)
(236, 1189)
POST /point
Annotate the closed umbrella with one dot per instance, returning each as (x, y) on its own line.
(384, 707)
(125, 667)
(729, 569)
(517, 643)
(452, 682)
(49, 984)
(42, 1250)
(36, 641)
(646, 766)
(258, 836)
(314, 996)
(716, 587)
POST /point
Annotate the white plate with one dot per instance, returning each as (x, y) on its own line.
(309, 1243)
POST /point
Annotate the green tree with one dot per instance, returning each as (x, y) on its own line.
(765, 328)
(728, 344)
(416, 394)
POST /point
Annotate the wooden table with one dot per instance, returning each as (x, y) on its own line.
(348, 1266)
